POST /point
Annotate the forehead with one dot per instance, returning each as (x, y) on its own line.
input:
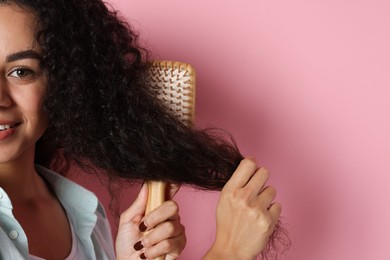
(16, 29)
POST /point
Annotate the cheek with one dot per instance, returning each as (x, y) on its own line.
(35, 112)
(29, 100)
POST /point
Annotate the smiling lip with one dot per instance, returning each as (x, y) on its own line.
(7, 129)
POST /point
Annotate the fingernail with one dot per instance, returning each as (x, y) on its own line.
(142, 256)
(142, 227)
(138, 246)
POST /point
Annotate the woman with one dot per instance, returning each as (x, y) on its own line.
(73, 80)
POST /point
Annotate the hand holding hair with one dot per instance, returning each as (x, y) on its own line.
(246, 214)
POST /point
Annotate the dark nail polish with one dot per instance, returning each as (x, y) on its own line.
(142, 227)
(142, 256)
(138, 246)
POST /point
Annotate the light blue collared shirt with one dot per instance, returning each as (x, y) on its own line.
(84, 211)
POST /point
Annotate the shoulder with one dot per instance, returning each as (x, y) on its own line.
(85, 212)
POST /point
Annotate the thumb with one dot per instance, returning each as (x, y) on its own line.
(137, 209)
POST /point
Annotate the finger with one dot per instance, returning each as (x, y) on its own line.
(137, 209)
(168, 210)
(164, 231)
(275, 209)
(257, 182)
(266, 197)
(171, 248)
(243, 173)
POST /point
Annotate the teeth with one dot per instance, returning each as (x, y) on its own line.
(5, 127)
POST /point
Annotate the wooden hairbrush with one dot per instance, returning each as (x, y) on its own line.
(176, 84)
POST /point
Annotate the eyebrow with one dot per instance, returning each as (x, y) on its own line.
(28, 54)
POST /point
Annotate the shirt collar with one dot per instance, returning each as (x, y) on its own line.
(80, 204)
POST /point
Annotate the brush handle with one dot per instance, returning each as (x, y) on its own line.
(156, 196)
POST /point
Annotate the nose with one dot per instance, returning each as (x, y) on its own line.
(5, 98)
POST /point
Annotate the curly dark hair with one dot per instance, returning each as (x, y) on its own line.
(101, 110)
(102, 113)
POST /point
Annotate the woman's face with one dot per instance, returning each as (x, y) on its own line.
(22, 85)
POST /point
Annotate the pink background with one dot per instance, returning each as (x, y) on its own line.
(304, 86)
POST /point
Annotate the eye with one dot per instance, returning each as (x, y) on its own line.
(21, 73)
